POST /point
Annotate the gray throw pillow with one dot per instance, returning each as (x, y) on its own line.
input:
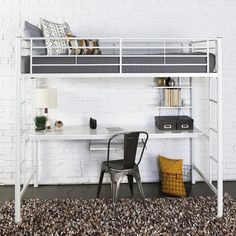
(32, 31)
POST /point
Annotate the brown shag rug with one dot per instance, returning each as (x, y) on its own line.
(161, 216)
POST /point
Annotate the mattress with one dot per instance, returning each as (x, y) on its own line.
(48, 64)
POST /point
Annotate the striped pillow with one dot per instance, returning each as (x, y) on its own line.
(75, 43)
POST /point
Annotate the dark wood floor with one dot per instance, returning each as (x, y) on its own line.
(89, 191)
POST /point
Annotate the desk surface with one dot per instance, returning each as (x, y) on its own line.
(85, 133)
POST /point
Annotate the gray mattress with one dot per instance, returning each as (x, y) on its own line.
(65, 68)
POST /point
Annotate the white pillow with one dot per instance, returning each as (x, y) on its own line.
(55, 30)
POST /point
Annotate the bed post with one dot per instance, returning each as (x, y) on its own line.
(219, 128)
(18, 134)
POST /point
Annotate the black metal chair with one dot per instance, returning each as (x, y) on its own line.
(126, 166)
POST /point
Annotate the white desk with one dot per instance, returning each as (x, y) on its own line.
(101, 133)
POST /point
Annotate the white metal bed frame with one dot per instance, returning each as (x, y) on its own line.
(119, 44)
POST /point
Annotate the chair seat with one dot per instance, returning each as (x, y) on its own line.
(116, 164)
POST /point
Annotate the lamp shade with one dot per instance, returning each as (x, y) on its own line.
(46, 97)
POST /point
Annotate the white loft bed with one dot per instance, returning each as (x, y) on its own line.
(130, 57)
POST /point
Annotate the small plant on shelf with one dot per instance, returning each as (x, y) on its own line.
(40, 122)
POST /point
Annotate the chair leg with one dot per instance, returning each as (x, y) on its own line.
(131, 181)
(140, 187)
(100, 183)
(116, 180)
(113, 191)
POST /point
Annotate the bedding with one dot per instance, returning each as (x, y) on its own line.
(75, 43)
(63, 62)
(55, 30)
(32, 31)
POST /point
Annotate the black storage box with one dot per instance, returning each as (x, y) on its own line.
(184, 123)
(165, 122)
(174, 122)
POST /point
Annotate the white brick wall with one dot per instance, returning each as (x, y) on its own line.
(113, 101)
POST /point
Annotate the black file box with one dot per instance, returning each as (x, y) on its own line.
(184, 123)
(165, 122)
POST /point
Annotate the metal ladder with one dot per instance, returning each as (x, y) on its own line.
(215, 138)
(215, 134)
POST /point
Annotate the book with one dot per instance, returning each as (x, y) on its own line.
(172, 97)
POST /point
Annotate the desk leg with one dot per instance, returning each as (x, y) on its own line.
(18, 181)
(36, 143)
(192, 158)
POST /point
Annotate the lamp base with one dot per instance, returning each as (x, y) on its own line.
(48, 124)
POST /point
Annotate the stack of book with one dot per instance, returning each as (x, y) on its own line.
(172, 97)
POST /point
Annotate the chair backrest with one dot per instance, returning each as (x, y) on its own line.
(131, 141)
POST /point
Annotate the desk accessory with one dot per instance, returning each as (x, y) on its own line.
(46, 98)
(184, 122)
(58, 124)
(165, 122)
(165, 82)
(92, 123)
(114, 129)
(40, 122)
(170, 82)
(161, 81)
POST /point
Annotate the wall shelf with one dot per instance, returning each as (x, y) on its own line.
(173, 87)
(181, 107)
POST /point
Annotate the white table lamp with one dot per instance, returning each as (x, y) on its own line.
(46, 98)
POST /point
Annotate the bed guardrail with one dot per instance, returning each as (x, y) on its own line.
(119, 55)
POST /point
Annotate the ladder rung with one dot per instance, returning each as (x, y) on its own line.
(22, 162)
(206, 136)
(213, 159)
(214, 130)
(212, 100)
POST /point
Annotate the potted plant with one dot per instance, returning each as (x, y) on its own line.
(40, 122)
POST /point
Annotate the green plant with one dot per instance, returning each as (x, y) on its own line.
(40, 122)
